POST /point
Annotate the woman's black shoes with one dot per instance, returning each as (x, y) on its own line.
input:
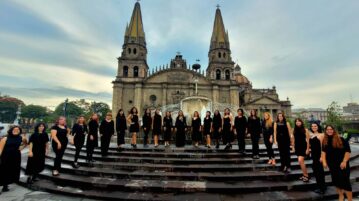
(5, 188)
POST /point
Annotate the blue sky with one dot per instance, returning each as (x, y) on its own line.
(51, 49)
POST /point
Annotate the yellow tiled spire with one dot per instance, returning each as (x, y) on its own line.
(135, 28)
(219, 34)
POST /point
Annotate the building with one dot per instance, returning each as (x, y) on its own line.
(311, 114)
(177, 86)
(351, 108)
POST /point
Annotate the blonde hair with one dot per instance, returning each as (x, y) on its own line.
(269, 121)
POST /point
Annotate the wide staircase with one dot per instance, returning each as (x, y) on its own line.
(183, 174)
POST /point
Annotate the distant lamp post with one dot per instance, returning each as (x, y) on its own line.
(18, 113)
(65, 106)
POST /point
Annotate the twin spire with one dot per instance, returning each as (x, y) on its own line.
(219, 37)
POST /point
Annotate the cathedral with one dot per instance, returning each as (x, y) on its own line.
(178, 86)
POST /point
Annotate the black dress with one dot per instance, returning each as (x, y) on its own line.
(196, 133)
(36, 163)
(254, 128)
(79, 132)
(283, 141)
(335, 156)
(146, 125)
(91, 144)
(300, 142)
(181, 125)
(157, 125)
(227, 134)
(168, 124)
(267, 134)
(207, 125)
(10, 161)
(217, 124)
(318, 170)
(107, 129)
(240, 124)
(135, 126)
(121, 126)
(61, 135)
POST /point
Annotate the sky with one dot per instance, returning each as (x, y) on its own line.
(51, 50)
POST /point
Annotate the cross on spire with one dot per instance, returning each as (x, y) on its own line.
(218, 6)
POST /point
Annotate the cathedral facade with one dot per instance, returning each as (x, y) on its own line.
(169, 87)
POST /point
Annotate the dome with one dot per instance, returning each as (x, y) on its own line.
(241, 79)
(237, 68)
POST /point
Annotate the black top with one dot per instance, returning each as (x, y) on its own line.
(39, 141)
(335, 156)
(207, 125)
(267, 131)
(196, 124)
(147, 121)
(121, 124)
(157, 122)
(61, 133)
(78, 129)
(254, 126)
(93, 127)
(107, 128)
(181, 123)
(167, 122)
(300, 138)
(315, 147)
(217, 122)
(240, 123)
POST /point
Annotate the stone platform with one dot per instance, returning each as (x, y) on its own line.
(183, 174)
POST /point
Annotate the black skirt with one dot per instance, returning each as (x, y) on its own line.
(134, 128)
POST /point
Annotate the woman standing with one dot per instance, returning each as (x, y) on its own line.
(181, 128)
(301, 146)
(282, 138)
(267, 129)
(336, 155)
(134, 126)
(157, 126)
(59, 134)
(10, 155)
(315, 143)
(196, 129)
(107, 129)
(38, 148)
(207, 128)
(240, 125)
(168, 128)
(254, 130)
(227, 127)
(121, 126)
(79, 131)
(217, 127)
(146, 126)
(92, 138)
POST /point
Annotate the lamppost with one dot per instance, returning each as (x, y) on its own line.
(18, 113)
(196, 67)
(65, 106)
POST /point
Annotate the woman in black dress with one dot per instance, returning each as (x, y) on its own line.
(207, 128)
(254, 130)
(146, 126)
(168, 128)
(181, 128)
(134, 126)
(38, 149)
(121, 126)
(92, 138)
(59, 138)
(267, 129)
(10, 155)
(157, 126)
(315, 142)
(196, 129)
(282, 137)
(336, 155)
(107, 129)
(227, 128)
(301, 146)
(217, 127)
(79, 131)
(240, 125)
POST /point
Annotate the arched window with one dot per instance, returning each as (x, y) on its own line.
(134, 51)
(135, 71)
(228, 75)
(224, 55)
(219, 55)
(125, 71)
(129, 50)
(218, 74)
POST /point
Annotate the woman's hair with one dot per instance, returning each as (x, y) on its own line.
(147, 112)
(9, 132)
(301, 128)
(180, 112)
(253, 113)
(36, 129)
(157, 111)
(320, 130)
(91, 118)
(208, 113)
(78, 119)
(227, 109)
(217, 114)
(168, 114)
(269, 121)
(242, 111)
(119, 113)
(284, 119)
(58, 120)
(132, 112)
(336, 142)
(109, 114)
(195, 114)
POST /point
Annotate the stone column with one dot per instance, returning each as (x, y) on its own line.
(215, 94)
(138, 97)
(234, 95)
(117, 98)
(164, 95)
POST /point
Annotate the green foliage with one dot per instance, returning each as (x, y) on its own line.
(34, 112)
(8, 108)
(334, 116)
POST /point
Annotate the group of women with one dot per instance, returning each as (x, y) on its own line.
(326, 149)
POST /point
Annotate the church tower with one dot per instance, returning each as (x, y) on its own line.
(220, 66)
(132, 64)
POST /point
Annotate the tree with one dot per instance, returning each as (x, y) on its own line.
(34, 112)
(100, 108)
(72, 111)
(334, 116)
(8, 108)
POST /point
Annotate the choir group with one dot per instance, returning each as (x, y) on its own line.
(326, 149)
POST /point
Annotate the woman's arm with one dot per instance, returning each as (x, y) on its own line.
(23, 143)
(307, 140)
(30, 150)
(343, 165)
(324, 159)
(275, 133)
(54, 138)
(2, 144)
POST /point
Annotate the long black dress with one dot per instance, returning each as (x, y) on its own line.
(334, 156)
(61, 135)
(146, 125)
(10, 161)
(240, 124)
(91, 144)
(267, 134)
(157, 125)
(181, 125)
(283, 141)
(121, 127)
(207, 125)
(254, 128)
(79, 132)
(318, 170)
(107, 129)
(196, 133)
(300, 142)
(227, 134)
(36, 163)
(217, 124)
(134, 126)
(168, 124)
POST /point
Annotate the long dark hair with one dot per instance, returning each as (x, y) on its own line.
(119, 113)
(218, 115)
(320, 129)
(300, 129)
(336, 142)
(284, 119)
(131, 110)
(253, 114)
(36, 129)
(9, 132)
